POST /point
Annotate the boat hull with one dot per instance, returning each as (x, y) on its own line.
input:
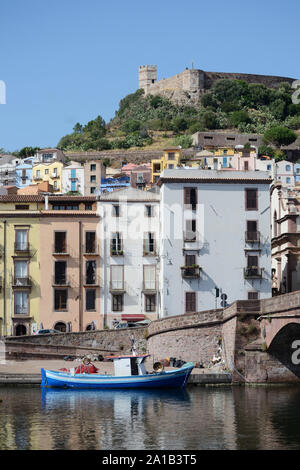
(170, 379)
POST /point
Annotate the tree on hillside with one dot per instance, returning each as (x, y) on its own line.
(95, 128)
(279, 136)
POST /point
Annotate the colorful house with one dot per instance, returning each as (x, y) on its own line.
(170, 159)
(51, 172)
(20, 264)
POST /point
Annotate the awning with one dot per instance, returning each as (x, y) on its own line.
(133, 317)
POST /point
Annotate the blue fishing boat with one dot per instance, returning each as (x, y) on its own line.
(129, 372)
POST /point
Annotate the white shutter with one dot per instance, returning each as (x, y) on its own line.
(117, 277)
(149, 277)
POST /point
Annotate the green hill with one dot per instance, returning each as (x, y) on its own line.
(152, 121)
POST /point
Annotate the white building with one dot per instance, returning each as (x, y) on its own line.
(129, 239)
(73, 178)
(284, 173)
(8, 164)
(215, 233)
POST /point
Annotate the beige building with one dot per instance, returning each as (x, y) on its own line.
(94, 170)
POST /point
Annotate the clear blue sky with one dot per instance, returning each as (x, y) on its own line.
(66, 61)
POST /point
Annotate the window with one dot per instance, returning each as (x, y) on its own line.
(149, 277)
(54, 172)
(93, 190)
(190, 302)
(93, 179)
(252, 295)
(252, 234)
(60, 269)
(246, 166)
(116, 243)
(269, 167)
(190, 230)
(190, 197)
(47, 171)
(251, 199)
(288, 180)
(65, 207)
(21, 303)
(60, 245)
(90, 272)
(190, 260)
(21, 273)
(88, 206)
(116, 210)
(47, 157)
(171, 155)
(90, 299)
(117, 302)
(149, 211)
(287, 167)
(22, 207)
(171, 166)
(55, 186)
(90, 242)
(150, 302)
(21, 240)
(93, 167)
(38, 174)
(117, 277)
(149, 244)
(60, 299)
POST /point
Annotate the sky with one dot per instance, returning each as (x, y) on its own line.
(67, 61)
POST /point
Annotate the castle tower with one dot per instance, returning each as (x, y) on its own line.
(147, 76)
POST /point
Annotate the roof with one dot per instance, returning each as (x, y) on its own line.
(130, 194)
(214, 176)
(22, 198)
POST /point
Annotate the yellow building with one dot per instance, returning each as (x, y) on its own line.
(20, 263)
(170, 159)
(51, 172)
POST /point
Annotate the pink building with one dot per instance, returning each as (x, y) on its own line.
(70, 265)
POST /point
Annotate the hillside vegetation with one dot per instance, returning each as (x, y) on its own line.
(143, 121)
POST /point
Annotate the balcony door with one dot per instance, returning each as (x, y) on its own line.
(21, 272)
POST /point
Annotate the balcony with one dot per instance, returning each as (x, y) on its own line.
(149, 287)
(190, 236)
(60, 250)
(149, 252)
(22, 248)
(92, 281)
(190, 272)
(253, 272)
(21, 282)
(21, 310)
(252, 237)
(117, 287)
(116, 249)
(91, 249)
(61, 281)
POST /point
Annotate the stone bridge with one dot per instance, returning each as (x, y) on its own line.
(259, 340)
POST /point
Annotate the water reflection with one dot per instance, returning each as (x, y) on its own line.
(198, 418)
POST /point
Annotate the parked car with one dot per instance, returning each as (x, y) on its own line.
(46, 331)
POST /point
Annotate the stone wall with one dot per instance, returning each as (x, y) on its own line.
(189, 85)
(191, 337)
(97, 342)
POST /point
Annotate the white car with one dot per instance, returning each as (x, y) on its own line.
(46, 332)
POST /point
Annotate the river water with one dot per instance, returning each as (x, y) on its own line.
(198, 418)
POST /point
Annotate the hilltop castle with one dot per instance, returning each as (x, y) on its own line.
(190, 84)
